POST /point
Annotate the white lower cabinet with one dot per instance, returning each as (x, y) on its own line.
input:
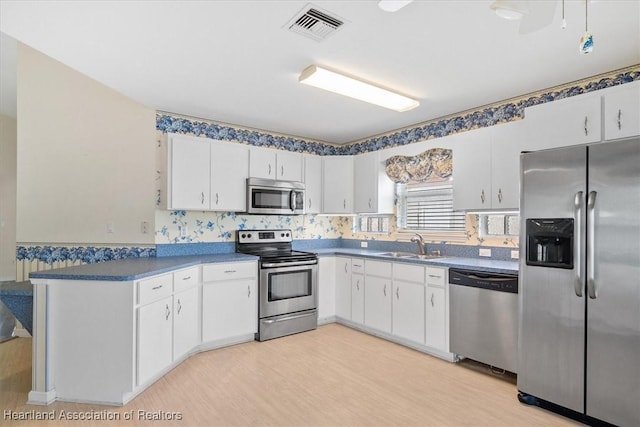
(357, 298)
(229, 301)
(230, 309)
(186, 321)
(408, 310)
(154, 338)
(377, 303)
(343, 288)
(437, 312)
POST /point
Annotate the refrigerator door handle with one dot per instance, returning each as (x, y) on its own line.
(577, 215)
(591, 282)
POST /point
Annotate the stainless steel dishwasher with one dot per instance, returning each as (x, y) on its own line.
(484, 317)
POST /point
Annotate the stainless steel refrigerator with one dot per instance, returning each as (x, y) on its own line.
(579, 332)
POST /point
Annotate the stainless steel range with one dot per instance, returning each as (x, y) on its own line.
(288, 289)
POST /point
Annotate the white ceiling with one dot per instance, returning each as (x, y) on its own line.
(232, 61)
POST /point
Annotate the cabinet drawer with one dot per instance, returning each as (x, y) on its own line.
(436, 276)
(378, 268)
(408, 272)
(154, 288)
(229, 271)
(357, 266)
(185, 279)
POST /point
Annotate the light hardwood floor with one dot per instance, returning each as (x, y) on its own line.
(333, 376)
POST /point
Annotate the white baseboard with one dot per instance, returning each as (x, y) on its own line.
(21, 333)
(41, 397)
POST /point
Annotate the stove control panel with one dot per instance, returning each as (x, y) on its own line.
(264, 236)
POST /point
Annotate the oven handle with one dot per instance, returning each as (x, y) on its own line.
(288, 264)
(282, 319)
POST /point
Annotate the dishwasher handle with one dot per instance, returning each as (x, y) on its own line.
(500, 282)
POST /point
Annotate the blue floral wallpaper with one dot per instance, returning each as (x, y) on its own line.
(88, 255)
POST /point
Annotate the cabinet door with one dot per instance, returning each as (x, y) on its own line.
(313, 184)
(435, 319)
(185, 322)
(262, 163)
(229, 172)
(622, 111)
(408, 310)
(377, 303)
(229, 309)
(154, 338)
(337, 184)
(289, 166)
(357, 298)
(188, 173)
(343, 288)
(472, 171)
(326, 287)
(365, 183)
(570, 121)
(505, 165)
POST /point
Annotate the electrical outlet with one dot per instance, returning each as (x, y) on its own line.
(111, 227)
(364, 244)
(515, 254)
(485, 252)
(144, 227)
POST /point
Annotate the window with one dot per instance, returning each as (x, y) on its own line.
(429, 207)
(371, 224)
(492, 225)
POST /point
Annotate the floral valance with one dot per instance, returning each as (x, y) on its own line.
(436, 163)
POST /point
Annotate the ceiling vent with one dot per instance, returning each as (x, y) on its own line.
(314, 23)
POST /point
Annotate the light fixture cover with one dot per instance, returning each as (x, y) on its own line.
(510, 9)
(348, 86)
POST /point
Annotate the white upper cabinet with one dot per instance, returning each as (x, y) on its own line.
(205, 174)
(337, 184)
(570, 121)
(622, 111)
(275, 164)
(373, 190)
(188, 173)
(472, 170)
(313, 184)
(508, 142)
(288, 166)
(229, 172)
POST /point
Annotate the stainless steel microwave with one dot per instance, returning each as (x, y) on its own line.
(271, 197)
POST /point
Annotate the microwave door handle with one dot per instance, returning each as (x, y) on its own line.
(292, 200)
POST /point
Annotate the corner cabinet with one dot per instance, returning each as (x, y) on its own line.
(337, 184)
(229, 302)
(205, 174)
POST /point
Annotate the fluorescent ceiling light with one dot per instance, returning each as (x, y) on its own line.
(393, 5)
(510, 9)
(348, 86)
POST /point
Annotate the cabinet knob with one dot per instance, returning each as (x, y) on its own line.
(179, 306)
(202, 198)
(167, 312)
(482, 197)
(282, 170)
(269, 173)
(248, 291)
(398, 292)
(309, 203)
(369, 203)
(384, 290)
(500, 195)
(217, 198)
(344, 203)
(431, 299)
(358, 285)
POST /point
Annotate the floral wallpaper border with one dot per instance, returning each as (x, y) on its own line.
(500, 112)
(88, 254)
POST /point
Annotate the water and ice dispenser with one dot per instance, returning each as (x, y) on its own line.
(550, 242)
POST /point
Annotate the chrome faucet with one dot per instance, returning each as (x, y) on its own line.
(417, 239)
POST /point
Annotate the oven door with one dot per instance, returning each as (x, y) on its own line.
(288, 287)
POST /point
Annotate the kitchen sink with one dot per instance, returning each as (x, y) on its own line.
(409, 255)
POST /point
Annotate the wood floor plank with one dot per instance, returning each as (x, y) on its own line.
(333, 376)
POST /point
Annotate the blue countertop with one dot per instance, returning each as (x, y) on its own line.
(479, 264)
(135, 268)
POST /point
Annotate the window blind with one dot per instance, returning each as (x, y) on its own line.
(428, 207)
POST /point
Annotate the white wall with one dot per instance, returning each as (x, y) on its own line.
(8, 138)
(85, 158)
